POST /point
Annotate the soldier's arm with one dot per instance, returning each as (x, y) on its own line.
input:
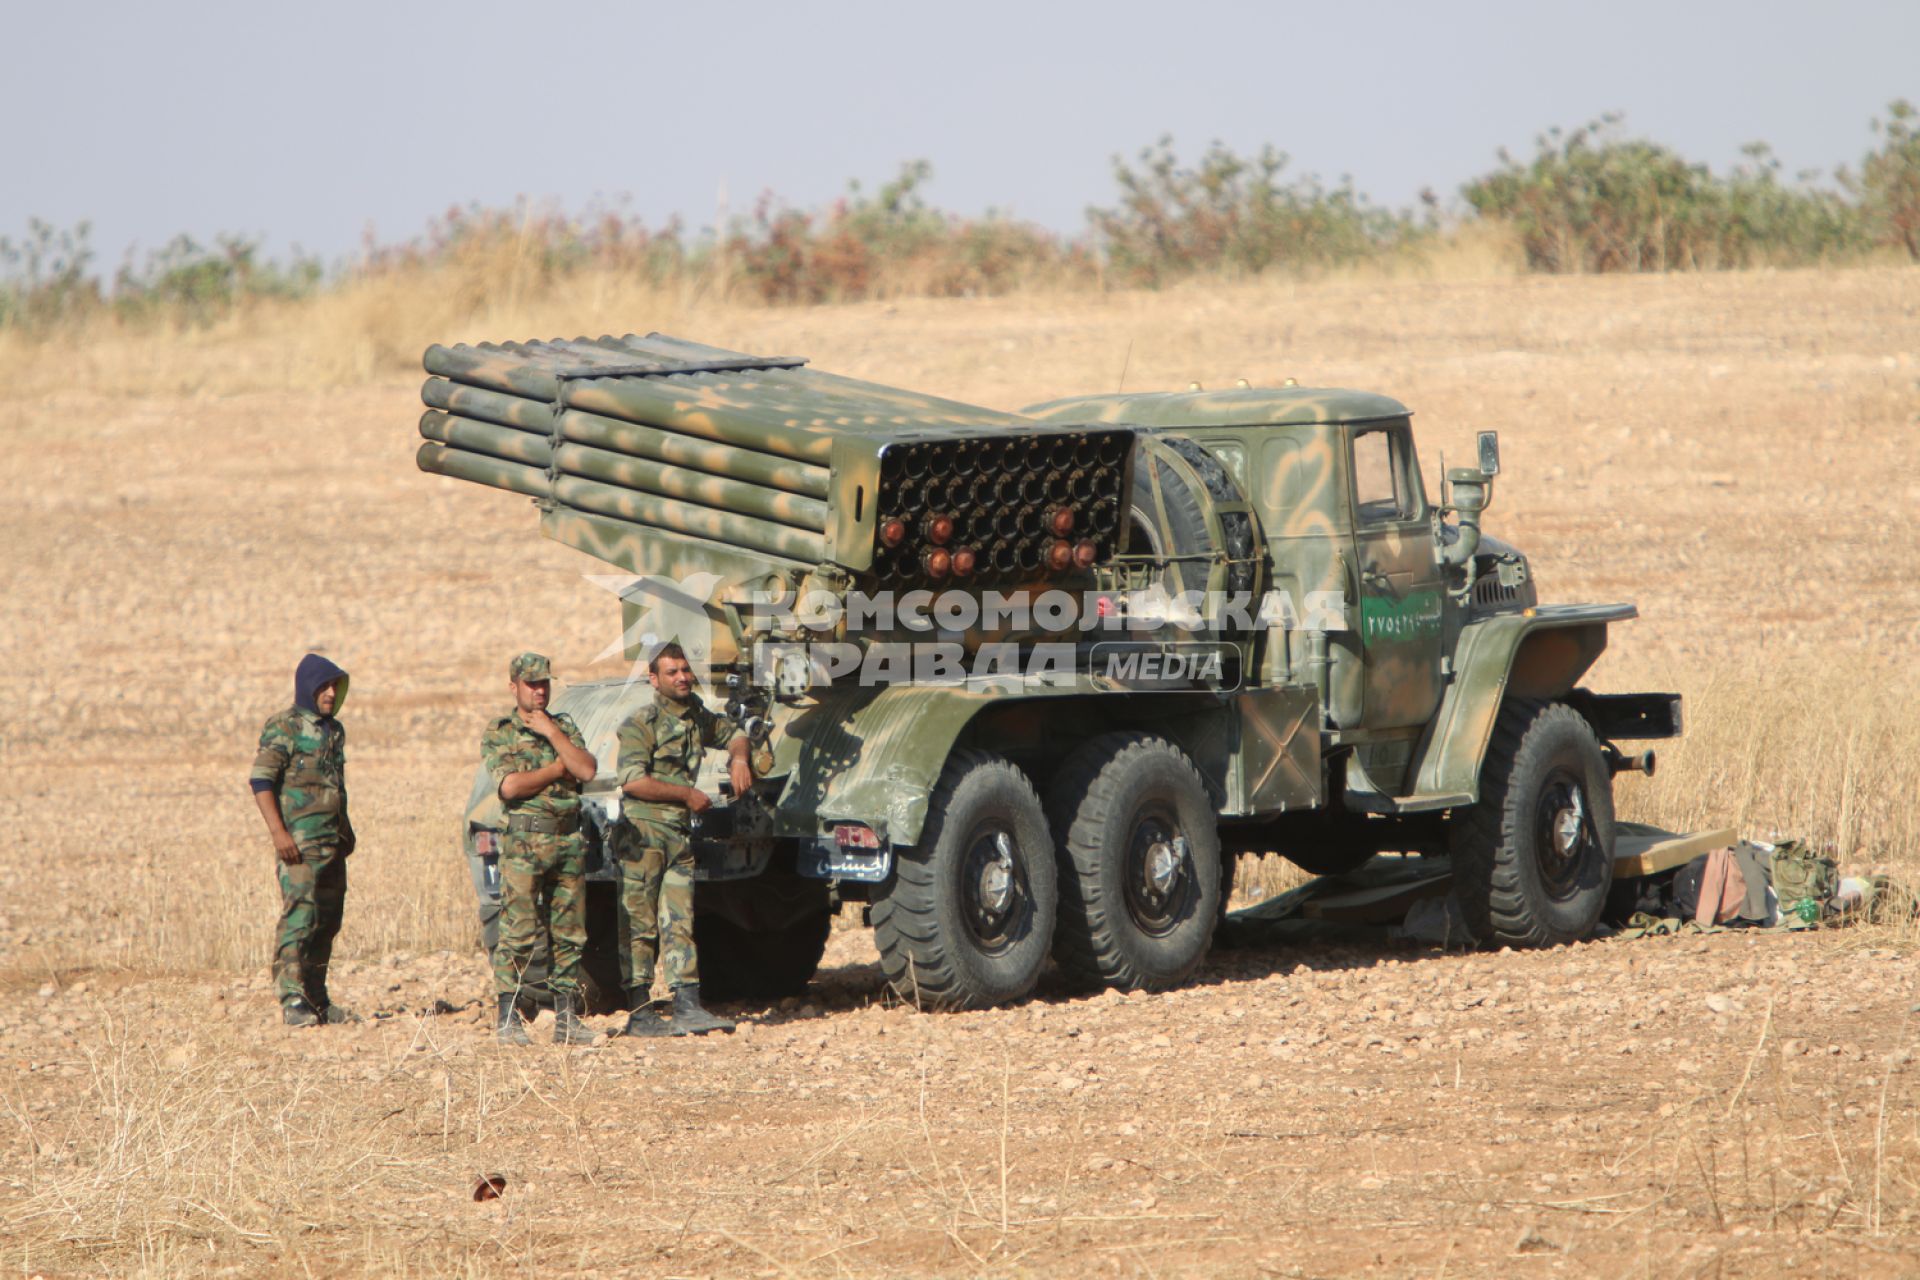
(718, 731)
(573, 750)
(739, 765)
(531, 782)
(269, 767)
(636, 772)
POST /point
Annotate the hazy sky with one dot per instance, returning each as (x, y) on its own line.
(307, 123)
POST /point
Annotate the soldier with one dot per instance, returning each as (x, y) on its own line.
(660, 750)
(538, 763)
(299, 780)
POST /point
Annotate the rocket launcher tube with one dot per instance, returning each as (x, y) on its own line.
(692, 486)
(494, 370)
(484, 437)
(748, 465)
(488, 406)
(480, 469)
(659, 402)
(685, 517)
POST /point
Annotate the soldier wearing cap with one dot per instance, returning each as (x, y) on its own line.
(539, 762)
(660, 750)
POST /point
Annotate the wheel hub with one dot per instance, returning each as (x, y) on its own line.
(996, 876)
(1158, 882)
(991, 890)
(1163, 865)
(1564, 833)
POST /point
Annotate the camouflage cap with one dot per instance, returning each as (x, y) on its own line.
(530, 666)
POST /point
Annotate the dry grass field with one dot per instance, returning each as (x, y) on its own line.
(1739, 454)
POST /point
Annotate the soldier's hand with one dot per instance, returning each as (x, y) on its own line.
(540, 722)
(284, 848)
(698, 801)
(742, 777)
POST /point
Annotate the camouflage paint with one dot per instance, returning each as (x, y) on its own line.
(313, 895)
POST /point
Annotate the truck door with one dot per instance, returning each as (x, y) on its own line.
(1398, 576)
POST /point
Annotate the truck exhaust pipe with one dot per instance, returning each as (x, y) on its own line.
(1640, 762)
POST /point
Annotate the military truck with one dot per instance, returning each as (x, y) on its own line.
(1282, 644)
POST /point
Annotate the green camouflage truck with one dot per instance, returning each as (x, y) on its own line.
(1027, 685)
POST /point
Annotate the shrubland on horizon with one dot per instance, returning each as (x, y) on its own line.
(1593, 199)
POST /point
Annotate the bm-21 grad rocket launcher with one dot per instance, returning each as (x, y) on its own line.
(755, 484)
(1411, 692)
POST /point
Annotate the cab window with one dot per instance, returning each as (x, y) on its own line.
(1382, 489)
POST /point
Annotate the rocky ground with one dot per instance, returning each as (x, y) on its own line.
(1728, 1105)
(188, 515)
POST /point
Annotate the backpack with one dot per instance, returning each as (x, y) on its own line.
(1802, 876)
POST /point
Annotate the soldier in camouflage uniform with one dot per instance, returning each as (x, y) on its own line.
(539, 762)
(660, 750)
(299, 780)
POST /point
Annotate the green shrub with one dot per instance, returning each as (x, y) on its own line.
(44, 278)
(1889, 182)
(1234, 215)
(1591, 200)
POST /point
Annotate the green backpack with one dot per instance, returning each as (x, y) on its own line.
(1804, 880)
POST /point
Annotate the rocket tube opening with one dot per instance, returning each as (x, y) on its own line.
(1060, 556)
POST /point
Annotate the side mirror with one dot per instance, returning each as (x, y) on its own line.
(1489, 442)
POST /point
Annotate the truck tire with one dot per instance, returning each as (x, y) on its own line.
(764, 964)
(1175, 523)
(966, 919)
(760, 938)
(1140, 871)
(1533, 860)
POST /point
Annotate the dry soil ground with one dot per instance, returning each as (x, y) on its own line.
(1736, 453)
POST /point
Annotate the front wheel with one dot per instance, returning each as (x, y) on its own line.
(966, 919)
(1141, 885)
(1533, 860)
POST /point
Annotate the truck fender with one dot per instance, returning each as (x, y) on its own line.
(875, 760)
(1536, 653)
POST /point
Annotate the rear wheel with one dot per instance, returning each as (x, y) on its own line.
(1141, 877)
(966, 919)
(1533, 860)
(762, 938)
(742, 964)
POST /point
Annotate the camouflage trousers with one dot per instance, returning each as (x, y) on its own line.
(485, 871)
(313, 896)
(542, 890)
(656, 905)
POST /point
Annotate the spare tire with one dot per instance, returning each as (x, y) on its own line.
(1176, 486)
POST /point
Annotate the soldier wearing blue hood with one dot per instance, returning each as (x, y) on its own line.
(299, 782)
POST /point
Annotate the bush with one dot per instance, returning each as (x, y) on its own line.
(1590, 200)
(1233, 215)
(44, 279)
(1889, 182)
(889, 243)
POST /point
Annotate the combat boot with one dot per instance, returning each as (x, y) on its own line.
(642, 1018)
(509, 1029)
(690, 1017)
(328, 1012)
(567, 1027)
(298, 1013)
